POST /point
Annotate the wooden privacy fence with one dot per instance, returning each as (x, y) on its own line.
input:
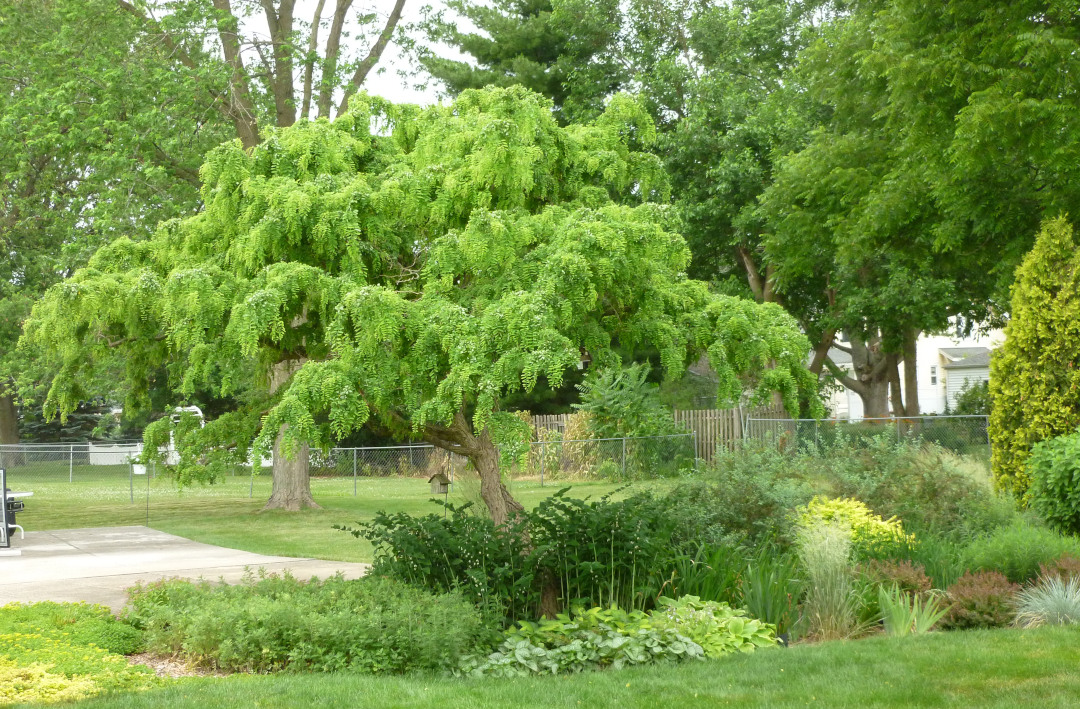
(711, 427)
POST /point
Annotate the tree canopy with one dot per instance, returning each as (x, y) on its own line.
(413, 267)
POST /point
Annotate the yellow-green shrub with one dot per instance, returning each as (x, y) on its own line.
(871, 536)
(34, 683)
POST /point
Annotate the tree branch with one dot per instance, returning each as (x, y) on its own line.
(854, 384)
(333, 45)
(281, 28)
(309, 60)
(360, 75)
(241, 109)
(753, 276)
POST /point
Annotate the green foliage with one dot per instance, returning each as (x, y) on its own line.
(717, 627)
(1051, 601)
(593, 552)
(63, 651)
(908, 613)
(622, 402)
(973, 399)
(983, 599)
(1034, 377)
(1018, 550)
(871, 536)
(1054, 471)
(277, 623)
(588, 639)
(772, 587)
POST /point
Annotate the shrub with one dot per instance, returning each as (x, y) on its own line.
(871, 536)
(832, 604)
(772, 589)
(1018, 550)
(66, 651)
(984, 599)
(593, 639)
(716, 627)
(1051, 601)
(279, 623)
(593, 553)
(1065, 568)
(1033, 376)
(747, 493)
(1054, 469)
(906, 575)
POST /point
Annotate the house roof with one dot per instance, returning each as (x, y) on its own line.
(955, 354)
(975, 361)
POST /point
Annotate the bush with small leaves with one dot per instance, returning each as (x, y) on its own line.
(871, 536)
(1054, 470)
(983, 599)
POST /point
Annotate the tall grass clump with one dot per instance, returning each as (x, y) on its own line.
(831, 607)
(1051, 601)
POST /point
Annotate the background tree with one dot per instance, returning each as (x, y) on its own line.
(102, 132)
(1035, 374)
(415, 270)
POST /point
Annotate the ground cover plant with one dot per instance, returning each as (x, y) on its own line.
(63, 652)
(278, 623)
(1029, 668)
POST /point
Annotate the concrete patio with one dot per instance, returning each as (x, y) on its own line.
(97, 565)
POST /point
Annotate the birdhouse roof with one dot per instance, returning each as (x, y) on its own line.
(439, 477)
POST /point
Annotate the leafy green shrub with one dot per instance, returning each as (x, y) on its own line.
(66, 651)
(593, 553)
(1051, 601)
(984, 599)
(279, 623)
(1034, 380)
(1018, 550)
(716, 627)
(1054, 469)
(592, 639)
(871, 536)
(747, 493)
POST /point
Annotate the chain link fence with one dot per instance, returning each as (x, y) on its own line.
(964, 435)
(101, 485)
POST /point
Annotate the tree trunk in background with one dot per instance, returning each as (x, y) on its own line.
(498, 499)
(292, 482)
(897, 397)
(9, 420)
(911, 373)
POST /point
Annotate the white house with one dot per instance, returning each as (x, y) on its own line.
(945, 363)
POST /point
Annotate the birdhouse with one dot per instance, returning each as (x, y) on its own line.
(440, 484)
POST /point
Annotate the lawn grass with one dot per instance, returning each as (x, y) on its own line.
(223, 514)
(999, 668)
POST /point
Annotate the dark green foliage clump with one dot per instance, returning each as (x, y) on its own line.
(984, 599)
(278, 623)
(596, 553)
(1018, 550)
(1054, 468)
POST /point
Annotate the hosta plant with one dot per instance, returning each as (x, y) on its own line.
(717, 627)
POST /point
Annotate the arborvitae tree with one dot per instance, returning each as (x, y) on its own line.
(415, 267)
(1035, 375)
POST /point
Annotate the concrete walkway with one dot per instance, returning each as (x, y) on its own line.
(96, 565)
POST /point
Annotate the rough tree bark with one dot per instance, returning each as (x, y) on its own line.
(911, 373)
(291, 480)
(870, 367)
(459, 438)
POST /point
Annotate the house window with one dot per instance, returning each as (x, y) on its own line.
(933, 374)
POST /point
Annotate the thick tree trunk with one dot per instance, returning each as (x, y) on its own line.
(875, 399)
(499, 501)
(292, 482)
(9, 420)
(893, 372)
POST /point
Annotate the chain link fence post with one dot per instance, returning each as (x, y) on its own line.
(543, 454)
(624, 458)
(354, 472)
(71, 464)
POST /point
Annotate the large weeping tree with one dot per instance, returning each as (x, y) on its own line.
(411, 268)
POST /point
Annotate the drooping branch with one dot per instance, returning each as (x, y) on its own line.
(309, 60)
(360, 75)
(333, 48)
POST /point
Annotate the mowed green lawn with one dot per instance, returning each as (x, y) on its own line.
(984, 669)
(225, 515)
